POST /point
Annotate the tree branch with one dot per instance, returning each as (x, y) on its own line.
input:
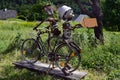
(83, 9)
(90, 2)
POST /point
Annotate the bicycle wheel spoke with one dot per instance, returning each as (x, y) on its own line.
(30, 50)
(69, 58)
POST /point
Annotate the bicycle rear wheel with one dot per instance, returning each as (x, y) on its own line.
(30, 50)
(68, 58)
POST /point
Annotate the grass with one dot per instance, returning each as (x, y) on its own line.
(101, 62)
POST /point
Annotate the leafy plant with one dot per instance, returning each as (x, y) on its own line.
(114, 75)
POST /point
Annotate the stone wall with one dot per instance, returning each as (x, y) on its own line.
(6, 14)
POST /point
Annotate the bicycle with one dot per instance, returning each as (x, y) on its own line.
(65, 54)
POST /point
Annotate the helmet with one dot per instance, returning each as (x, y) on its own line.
(65, 12)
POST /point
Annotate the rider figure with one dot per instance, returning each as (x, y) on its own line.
(66, 13)
(53, 22)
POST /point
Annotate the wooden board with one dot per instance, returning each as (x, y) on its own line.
(43, 68)
(89, 22)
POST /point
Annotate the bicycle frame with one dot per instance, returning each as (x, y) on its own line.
(45, 50)
(42, 46)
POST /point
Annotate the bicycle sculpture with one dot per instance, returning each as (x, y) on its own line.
(64, 53)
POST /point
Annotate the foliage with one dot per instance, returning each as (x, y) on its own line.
(14, 4)
(111, 11)
(27, 9)
(114, 75)
(21, 17)
(33, 12)
(101, 58)
(15, 44)
(37, 12)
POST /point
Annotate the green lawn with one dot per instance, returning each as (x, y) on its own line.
(101, 62)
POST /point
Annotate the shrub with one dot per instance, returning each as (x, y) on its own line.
(100, 57)
(114, 75)
(21, 17)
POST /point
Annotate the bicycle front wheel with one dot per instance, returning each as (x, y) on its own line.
(68, 57)
(30, 50)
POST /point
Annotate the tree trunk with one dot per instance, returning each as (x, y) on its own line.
(98, 30)
(96, 13)
(118, 27)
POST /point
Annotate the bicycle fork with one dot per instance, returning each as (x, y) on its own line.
(67, 67)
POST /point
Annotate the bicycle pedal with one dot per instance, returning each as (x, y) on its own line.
(68, 67)
(66, 73)
(31, 63)
(54, 67)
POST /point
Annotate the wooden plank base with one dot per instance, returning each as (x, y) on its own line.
(43, 68)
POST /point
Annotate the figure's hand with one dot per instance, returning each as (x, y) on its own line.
(77, 26)
(52, 20)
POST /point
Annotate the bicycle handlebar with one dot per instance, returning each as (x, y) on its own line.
(76, 26)
(35, 28)
(49, 20)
